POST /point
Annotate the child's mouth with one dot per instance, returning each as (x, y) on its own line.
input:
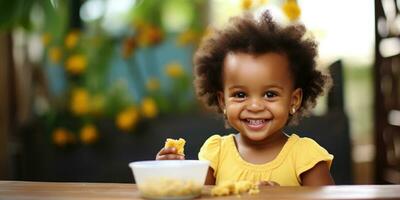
(255, 124)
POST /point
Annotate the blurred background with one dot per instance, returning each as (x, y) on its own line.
(87, 86)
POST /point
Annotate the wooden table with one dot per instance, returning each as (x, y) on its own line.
(11, 190)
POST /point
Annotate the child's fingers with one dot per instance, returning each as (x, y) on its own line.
(165, 151)
(268, 183)
(170, 157)
(169, 154)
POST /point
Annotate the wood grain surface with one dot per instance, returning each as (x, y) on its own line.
(115, 191)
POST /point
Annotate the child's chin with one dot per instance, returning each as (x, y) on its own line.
(256, 136)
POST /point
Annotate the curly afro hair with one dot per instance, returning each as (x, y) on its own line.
(246, 34)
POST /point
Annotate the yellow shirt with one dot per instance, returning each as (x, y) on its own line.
(297, 156)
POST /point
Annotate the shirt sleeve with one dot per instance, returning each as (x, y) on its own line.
(309, 153)
(210, 151)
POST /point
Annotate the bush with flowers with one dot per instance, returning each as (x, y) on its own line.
(137, 74)
(126, 74)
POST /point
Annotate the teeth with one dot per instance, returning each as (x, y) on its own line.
(255, 121)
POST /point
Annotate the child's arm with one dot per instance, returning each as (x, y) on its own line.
(210, 179)
(318, 175)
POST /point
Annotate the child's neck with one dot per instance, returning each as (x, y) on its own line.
(273, 140)
(260, 152)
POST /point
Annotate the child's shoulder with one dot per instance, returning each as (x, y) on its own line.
(302, 140)
(214, 145)
(217, 138)
(305, 145)
(217, 141)
(307, 153)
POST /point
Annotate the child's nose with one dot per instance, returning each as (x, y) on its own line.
(255, 105)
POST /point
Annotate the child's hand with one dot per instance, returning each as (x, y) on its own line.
(268, 183)
(173, 150)
(169, 153)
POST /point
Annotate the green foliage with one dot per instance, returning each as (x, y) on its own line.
(15, 13)
(84, 58)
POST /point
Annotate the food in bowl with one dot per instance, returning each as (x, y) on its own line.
(178, 144)
(170, 179)
(168, 187)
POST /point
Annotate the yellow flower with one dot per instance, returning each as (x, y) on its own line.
(127, 119)
(76, 64)
(80, 101)
(261, 2)
(291, 10)
(46, 38)
(138, 24)
(246, 4)
(187, 37)
(72, 39)
(62, 137)
(55, 54)
(152, 84)
(208, 32)
(174, 70)
(149, 35)
(128, 47)
(89, 134)
(149, 108)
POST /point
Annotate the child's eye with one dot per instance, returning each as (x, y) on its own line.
(270, 94)
(240, 95)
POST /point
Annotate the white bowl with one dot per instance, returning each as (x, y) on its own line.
(170, 179)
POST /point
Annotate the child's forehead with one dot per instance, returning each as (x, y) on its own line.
(263, 59)
(263, 69)
(265, 56)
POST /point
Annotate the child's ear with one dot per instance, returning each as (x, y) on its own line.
(221, 100)
(297, 97)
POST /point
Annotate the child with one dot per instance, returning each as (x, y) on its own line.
(262, 77)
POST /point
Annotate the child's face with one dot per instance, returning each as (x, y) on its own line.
(258, 93)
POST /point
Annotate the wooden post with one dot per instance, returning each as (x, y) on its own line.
(387, 101)
(5, 63)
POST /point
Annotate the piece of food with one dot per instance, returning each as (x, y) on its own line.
(178, 144)
(237, 188)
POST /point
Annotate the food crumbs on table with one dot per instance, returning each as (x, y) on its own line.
(254, 191)
(237, 188)
(178, 144)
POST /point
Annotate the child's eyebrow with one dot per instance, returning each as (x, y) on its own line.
(274, 86)
(237, 87)
(266, 87)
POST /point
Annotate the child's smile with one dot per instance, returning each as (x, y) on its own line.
(256, 124)
(258, 93)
